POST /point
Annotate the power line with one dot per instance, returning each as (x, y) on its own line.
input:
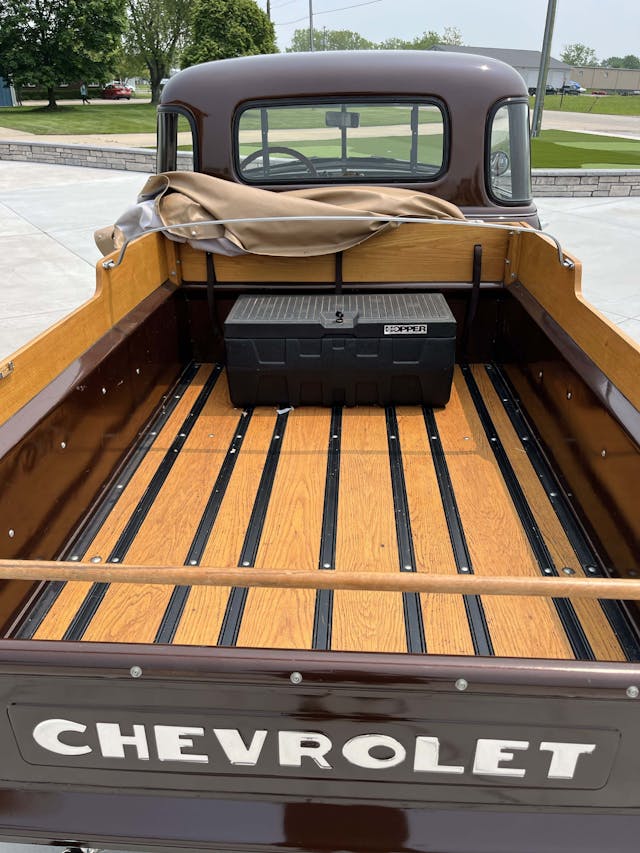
(328, 11)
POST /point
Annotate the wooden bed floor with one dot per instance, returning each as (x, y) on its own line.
(363, 489)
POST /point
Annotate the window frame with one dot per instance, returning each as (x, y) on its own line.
(503, 202)
(360, 100)
(168, 155)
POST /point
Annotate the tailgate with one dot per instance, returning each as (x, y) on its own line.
(335, 727)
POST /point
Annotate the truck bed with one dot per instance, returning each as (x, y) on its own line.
(461, 489)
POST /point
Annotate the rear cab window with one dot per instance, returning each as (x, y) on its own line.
(363, 140)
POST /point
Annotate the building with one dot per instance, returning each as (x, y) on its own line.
(525, 62)
(607, 79)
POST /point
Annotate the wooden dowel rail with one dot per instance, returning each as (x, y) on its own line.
(555, 587)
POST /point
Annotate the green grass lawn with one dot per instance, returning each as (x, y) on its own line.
(91, 118)
(611, 105)
(553, 149)
(559, 149)
(429, 148)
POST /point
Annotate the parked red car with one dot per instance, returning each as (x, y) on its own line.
(116, 91)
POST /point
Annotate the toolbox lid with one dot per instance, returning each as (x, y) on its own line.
(400, 315)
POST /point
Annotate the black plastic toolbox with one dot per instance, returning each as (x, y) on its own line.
(351, 349)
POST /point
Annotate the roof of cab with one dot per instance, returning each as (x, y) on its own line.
(364, 72)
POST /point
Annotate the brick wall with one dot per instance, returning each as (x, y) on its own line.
(576, 183)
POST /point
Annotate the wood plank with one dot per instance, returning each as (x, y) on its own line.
(534, 261)
(205, 607)
(519, 627)
(70, 599)
(291, 535)
(598, 630)
(438, 251)
(118, 291)
(366, 537)
(259, 268)
(132, 614)
(444, 616)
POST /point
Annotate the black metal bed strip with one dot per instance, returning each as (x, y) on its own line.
(96, 594)
(411, 601)
(82, 539)
(175, 607)
(238, 595)
(323, 614)
(569, 618)
(476, 617)
(585, 552)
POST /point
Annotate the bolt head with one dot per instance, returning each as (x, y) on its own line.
(462, 684)
(633, 692)
(135, 671)
(295, 678)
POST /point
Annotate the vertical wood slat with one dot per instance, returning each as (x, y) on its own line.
(291, 536)
(366, 537)
(70, 599)
(597, 628)
(520, 627)
(445, 622)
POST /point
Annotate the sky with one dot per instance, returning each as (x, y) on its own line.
(610, 27)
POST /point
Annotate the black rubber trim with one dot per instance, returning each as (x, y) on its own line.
(570, 622)
(478, 626)
(414, 626)
(587, 555)
(323, 615)
(96, 594)
(180, 594)
(82, 539)
(238, 595)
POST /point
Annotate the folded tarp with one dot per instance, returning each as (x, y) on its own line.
(174, 198)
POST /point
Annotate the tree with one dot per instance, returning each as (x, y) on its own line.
(60, 41)
(324, 39)
(578, 55)
(157, 29)
(629, 61)
(221, 29)
(348, 40)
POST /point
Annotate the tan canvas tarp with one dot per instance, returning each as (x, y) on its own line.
(179, 197)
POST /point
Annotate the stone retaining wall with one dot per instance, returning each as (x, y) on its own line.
(576, 183)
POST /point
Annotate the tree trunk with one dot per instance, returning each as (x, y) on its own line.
(156, 74)
(52, 105)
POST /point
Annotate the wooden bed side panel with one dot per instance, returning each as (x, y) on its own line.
(534, 263)
(118, 291)
(437, 251)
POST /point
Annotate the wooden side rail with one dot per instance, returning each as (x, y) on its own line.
(441, 252)
(150, 262)
(545, 587)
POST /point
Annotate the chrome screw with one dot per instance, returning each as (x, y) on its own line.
(462, 684)
(295, 678)
(633, 692)
(135, 671)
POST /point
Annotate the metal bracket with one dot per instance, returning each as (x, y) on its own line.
(6, 369)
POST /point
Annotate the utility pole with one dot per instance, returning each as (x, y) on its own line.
(311, 25)
(544, 69)
(269, 9)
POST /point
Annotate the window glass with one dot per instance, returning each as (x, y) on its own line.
(509, 169)
(340, 141)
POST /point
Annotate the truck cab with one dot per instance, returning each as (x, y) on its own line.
(452, 125)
